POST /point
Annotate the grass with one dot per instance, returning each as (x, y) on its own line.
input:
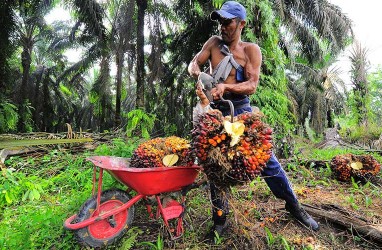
(44, 191)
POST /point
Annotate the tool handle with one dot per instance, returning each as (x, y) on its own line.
(230, 106)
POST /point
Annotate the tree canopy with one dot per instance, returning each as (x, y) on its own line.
(135, 55)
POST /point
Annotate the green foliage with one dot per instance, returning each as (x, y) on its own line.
(328, 154)
(351, 127)
(218, 238)
(35, 226)
(274, 242)
(368, 201)
(355, 133)
(129, 240)
(217, 3)
(158, 246)
(375, 92)
(65, 90)
(170, 130)
(309, 131)
(270, 95)
(15, 186)
(66, 182)
(119, 148)
(270, 237)
(9, 189)
(352, 201)
(26, 116)
(360, 98)
(140, 123)
(356, 102)
(34, 221)
(8, 116)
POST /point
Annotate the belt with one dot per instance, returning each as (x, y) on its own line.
(223, 107)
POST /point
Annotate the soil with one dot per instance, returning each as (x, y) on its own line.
(254, 208)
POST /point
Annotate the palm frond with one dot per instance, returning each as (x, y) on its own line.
(85, 63)
(91, 14)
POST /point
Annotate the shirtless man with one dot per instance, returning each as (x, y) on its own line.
(241, 82)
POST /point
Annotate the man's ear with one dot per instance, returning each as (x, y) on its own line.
(242, 23)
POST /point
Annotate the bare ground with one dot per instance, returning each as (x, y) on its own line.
(254, 208)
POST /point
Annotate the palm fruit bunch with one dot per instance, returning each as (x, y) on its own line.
(231, 153)
(161, 152)
(360, 167)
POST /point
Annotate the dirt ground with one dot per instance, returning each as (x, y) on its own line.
(259, 221)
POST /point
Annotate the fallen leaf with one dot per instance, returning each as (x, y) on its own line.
(356, 165)
(170, 160)
(235, 130)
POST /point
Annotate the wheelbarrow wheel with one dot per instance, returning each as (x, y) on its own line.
(110, 230)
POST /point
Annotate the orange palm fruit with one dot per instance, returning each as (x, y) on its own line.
(219, 213)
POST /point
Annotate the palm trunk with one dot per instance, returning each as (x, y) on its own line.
(26, 61)
(119, 62)
(142, 6)
(36, 101)
(103, 91)
(47, 112)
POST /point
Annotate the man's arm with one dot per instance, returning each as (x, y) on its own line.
(252, 74)
(201, 57)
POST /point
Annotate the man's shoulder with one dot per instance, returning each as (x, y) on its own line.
(248, 46)
(213, 43)
(215, 39)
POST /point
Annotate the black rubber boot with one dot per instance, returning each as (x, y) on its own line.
(299, 213)
(216, 231)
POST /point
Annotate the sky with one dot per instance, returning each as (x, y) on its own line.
(367, 19)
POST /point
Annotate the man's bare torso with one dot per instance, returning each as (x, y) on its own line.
(239, 55)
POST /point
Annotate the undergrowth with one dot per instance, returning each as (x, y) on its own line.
(38, 193)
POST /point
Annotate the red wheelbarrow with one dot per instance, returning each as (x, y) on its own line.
(105, 217)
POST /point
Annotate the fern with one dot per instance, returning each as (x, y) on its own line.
(8, 116)
(130, 239)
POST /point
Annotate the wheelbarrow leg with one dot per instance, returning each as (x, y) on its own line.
(148, 207)
(99, 186)
(171, 210)
(99, 191)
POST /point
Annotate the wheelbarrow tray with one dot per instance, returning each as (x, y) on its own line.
(147, 181)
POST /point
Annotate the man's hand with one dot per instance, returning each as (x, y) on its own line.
(218, 91)
(199, 92)
(193, 67)
(194, 70)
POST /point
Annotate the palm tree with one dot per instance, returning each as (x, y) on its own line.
(123, 34)
(289, 32)
(101, 43)
(359, 68)
(142, 6)
(112, 31)
(375, 79)
(309, 28)
(319, 93)
(8, 25)
(309, 33)
(30, 28)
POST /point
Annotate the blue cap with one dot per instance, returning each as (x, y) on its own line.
(229, 10)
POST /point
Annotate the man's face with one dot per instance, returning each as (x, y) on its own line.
(230, 29)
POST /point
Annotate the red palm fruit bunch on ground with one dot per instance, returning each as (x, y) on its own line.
(231, 153)
(161, 152)
(360, 167)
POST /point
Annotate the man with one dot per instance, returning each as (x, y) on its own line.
(236, 65)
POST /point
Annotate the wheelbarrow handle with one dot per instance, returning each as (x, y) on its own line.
(230, 106)
(187, 188)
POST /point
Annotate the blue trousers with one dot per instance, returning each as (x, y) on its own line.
(274, 175)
